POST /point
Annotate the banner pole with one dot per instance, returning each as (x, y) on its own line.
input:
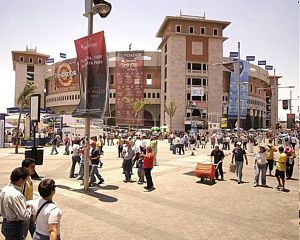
(87, 119)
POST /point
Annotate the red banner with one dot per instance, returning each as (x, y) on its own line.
(91, 56)
(291, 123)
(129, 86)
(66, 75)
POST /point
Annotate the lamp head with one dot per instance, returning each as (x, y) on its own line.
(102, 7)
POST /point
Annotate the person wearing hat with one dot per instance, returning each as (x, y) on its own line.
(270, 157)
(239, 154)
(260, 166)
(218, 155)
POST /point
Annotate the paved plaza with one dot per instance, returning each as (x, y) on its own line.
(179, 208)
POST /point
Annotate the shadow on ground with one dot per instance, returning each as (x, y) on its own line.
(92, 192)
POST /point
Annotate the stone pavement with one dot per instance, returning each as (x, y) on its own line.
(179, 208)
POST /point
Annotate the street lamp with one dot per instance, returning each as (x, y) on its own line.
(103, 8)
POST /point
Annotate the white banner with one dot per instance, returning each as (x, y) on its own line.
(2, 129)
(197, 91)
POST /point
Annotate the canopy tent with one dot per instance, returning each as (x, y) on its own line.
(8, 125)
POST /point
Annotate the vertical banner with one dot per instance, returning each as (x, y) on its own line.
(2, 130)
(129, 86)
(233, 91)
(91, 56)
(291, 123)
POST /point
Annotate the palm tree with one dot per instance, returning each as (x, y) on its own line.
(23, 101)
(171, 109)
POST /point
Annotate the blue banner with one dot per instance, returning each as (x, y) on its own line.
(50, 60)
(233, 91)
(233, 54)
(250, 58)
(63, 55)
(269, 67)
(263, 62)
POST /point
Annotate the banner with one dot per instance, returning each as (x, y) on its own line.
(66, 75)
(224, 122)
(129, 86)
(197, 91)
(291, 123)
(233, 91)
(91, 56)
(2, 130)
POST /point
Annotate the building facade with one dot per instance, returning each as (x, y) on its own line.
(188, 70)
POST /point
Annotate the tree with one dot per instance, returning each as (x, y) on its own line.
(171, 109)
(23, 101)
(137, 107)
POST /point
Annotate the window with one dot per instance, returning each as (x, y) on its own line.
(148, 79)
(191, 29)
(30, 76)
(166, 59)
(165, 98)
(215, 32)
(202, 30)
(204, 67)
(166, 75)
(189, 66)
(149, 95)
(196, 66)
(166, 48)
(30, 68)
(110, 95)
(204, 82)
(40, 61)
(21, 59)
(196, 81)
(111, 79)
(188, 114)
(145, 95)
(251, 88)
(165, 87)
(153, 95)
(114, 95)
(158, 95)
(255, 89)
(188, 81)
(188, 96)
(196, 98)
(30, 60)
(178, 28)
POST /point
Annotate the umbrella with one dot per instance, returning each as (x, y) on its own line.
(251, 130)
(155, 129)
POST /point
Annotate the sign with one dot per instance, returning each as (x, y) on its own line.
(35, 104)
(291, 123)
(233, 54)
(129, 86)
(91, 56)
(66, 75)
(197, 91)
(2, 130)
(26, 110)
(285, 104)
(224, 123)
(250, 58)
(269, 67)
(262, 62)
(243, 69)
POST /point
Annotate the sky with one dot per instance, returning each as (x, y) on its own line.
(267, 29)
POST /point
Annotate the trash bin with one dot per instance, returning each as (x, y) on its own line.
(36, 153)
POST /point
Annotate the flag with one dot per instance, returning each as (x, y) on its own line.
(263, 62)
(50, 60)
(130, 46)
(250, 58)
(233, 54)
(269, 67)
(63, 55)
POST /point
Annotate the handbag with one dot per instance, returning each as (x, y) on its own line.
(232, 168)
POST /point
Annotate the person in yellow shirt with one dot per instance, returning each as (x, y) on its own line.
(280, 169)
(29, 164)
(270, 157)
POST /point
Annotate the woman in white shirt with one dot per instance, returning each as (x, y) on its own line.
(260, 166)
(47, 214)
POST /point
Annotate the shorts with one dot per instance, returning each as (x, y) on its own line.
(279, 174)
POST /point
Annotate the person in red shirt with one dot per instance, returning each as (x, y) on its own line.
(147, 166)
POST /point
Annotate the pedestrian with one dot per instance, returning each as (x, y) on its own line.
(270, 157)
(29, 164)
(148, 166)
(13, 206)
(120, 143)
(95, 160)
(212, 141)
(75, 157)
(290, 152)
(141, 171)
(239, 154)
(128, 156)
(67, 142)
(293, 141)
(280, 169)
(153, 145)
(192, 141)
(218, 156)
(203, 141)
(260, 166)
(54, 143)
(47, 213)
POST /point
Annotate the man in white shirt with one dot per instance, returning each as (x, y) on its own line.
(13, 206)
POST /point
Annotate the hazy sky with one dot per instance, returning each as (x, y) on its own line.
(268, 29)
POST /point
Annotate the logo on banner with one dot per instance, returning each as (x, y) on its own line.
(65, 74)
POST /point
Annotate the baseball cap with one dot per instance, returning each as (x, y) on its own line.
(238, 143)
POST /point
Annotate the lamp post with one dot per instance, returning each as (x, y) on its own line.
(103, 8)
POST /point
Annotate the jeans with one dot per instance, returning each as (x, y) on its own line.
(12, 230)
(239, 170)
(289, 169)
(270, 163)
(127, 164)
(75, 159)
(38, 236)
(54, 148)
(94, 171)
(181, 149)
(148, 177)
(120, 149)
(260, 168)
(219, 169)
